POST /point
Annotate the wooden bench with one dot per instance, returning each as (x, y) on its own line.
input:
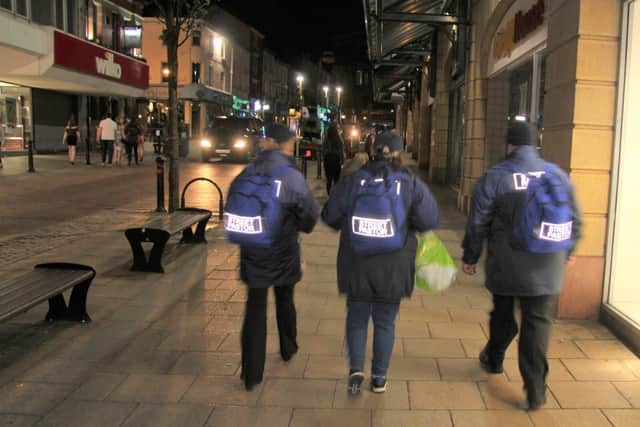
(48, 282)
(159, 230)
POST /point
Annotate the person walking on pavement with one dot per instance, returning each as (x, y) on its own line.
(132, 135)
(368, 143)
(333, 155)
(120, 141)
(268, 204)
(1, 144)
(377, 210)
(107, 135)
(70, 137)
(140, 143)
(526, 209)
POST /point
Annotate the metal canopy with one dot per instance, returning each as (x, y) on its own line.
(399, 36)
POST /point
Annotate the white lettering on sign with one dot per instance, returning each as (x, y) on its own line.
(242, 224)
(555, 232)
(108, 67)
(369, 227)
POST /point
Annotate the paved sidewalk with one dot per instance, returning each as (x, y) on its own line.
(163, 350)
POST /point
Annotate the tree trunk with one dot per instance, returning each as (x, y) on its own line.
(173, 140)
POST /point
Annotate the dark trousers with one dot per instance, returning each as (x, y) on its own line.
(107, 151)
(254, 330)
(533, 343)
(331, 170)
(132, 149)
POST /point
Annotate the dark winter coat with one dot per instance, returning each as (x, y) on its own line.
(380, 278)
(279, 265)
(510, 271)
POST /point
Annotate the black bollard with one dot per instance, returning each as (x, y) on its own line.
(319, 163)
(30, 156)
(160, 183)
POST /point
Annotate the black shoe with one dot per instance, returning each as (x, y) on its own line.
(489, 366)
(378, 384)
(249, 386)
(356, 378)
(289, 355)
(533, 404)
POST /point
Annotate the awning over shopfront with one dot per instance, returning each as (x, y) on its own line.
(193, 92)
(400, 39)
(66, 63)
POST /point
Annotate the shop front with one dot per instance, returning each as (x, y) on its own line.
(515, 85)
(622, 295)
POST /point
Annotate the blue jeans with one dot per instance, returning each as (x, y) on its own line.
(384, 334)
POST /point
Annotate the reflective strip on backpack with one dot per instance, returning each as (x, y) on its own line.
(279, 184)
(371, 227)
(555, 232)
(242, 224)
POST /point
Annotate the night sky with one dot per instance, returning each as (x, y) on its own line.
(294, 28)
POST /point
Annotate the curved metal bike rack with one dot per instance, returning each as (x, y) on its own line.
(210, 181)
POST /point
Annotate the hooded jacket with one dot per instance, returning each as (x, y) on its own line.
(279, 265)
(383, 278)
(495, 207)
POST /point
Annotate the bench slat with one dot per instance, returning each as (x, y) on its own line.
(33, 277)
(176, 222)
(41, 291)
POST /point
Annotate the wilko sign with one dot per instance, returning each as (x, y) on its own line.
(78, 55)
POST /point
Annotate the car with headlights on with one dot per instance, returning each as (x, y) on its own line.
(233, 138)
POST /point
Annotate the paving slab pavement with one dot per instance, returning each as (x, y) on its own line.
(163, 350)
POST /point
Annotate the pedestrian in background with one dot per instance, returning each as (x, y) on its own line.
(268, 204)
(132, 136)
(333, 155)
(120, 141)
(377, 210)
(520, 264)
(140, 143)
(70, 137)
(107, 129)
(1, 144)
(368, 143)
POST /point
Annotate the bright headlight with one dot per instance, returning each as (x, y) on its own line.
(239, 143)
(205, 143)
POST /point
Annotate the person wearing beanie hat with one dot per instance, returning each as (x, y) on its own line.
(514, 270)
(377, 279)
(278, 265)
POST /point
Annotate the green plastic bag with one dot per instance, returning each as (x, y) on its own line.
(435, 269)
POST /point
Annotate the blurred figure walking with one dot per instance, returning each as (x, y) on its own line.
(70, 137)
(107, 130)
(333, 155)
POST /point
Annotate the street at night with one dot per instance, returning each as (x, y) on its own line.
(376, 213)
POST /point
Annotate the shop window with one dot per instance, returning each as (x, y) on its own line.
(60, 14)
(42, 12)
(72, 16)
(165, 72)
(195, 73)
(195, 38)
(5, 4)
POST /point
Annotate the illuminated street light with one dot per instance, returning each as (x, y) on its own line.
(325, 89)
(166, 72)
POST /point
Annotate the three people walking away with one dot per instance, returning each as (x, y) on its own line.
(268, 204)
(107, 130)
(333, 155)
(526, 209)
(133, 135)
(378, 210)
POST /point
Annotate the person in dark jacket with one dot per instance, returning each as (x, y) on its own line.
(375, 284)
(333, 155)
(278, 266)
(511, 273)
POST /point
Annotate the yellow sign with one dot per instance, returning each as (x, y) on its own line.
(292, 112)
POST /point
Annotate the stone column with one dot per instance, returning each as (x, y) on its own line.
(440, 123)
(579, 121)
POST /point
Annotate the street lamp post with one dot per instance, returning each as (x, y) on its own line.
(325, 89)
(300, 80)
(339, 102)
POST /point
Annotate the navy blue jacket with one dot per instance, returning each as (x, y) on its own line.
(380, 278)
(279, 265)
(495, 205)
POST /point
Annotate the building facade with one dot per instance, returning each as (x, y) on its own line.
(565, 66)
(275, 86)
(66, 59)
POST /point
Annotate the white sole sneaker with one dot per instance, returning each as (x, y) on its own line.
(355, 382)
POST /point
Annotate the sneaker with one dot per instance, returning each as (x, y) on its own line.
(378, 384)
(535, 404)
(356, 378)
(489, 366)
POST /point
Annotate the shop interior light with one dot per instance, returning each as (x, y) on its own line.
(266, 107)
(166, 72)
(520, 118)
(205, 143)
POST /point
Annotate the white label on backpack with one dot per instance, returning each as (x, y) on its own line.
(242, 224)
(370, 227)
(555, 232)
(521, 180)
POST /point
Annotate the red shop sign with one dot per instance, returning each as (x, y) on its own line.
(79, 55)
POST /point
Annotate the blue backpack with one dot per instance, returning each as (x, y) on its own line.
(253, 213)
(378, 217)
(545, 222)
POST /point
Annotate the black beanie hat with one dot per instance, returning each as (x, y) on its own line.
(522, 133)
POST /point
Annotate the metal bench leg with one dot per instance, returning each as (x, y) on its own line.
(57, 309)
(159, 239)
(136, 236)
(77, 310)
(188, 236)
